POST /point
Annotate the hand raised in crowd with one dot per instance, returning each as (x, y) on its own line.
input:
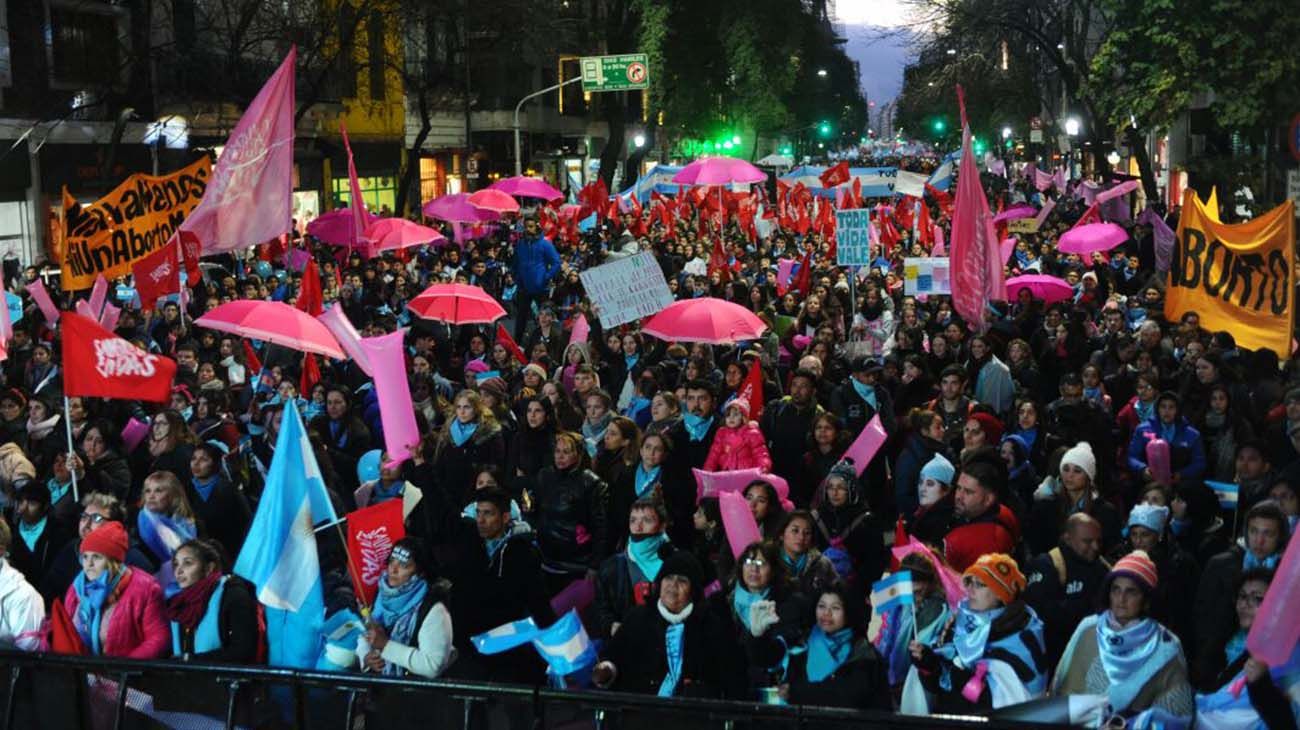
(1254, 670)
(376, 637)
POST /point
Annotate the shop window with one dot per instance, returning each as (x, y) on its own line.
(379, 193)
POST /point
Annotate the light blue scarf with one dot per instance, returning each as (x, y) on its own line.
(1236, 645)
(643, 551)
(31, 534)
(204, 489)
(90, 606)
(629, 362)
(1144, 409)
(673, 644)
(742, 599)
(1249, 561)
(796, 565)
(645, 480)
(1131, 656)
(380, 493)
(865, 392)
(594, 433)
(395, 610)
(461, 432)
(57, 490)
(972, 632)
(827, 652)
(696, 427)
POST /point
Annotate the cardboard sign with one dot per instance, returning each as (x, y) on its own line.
(1024, 225)
(627, 289)
(853, 237)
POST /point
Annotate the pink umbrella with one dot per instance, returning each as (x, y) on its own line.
(456, 304)
(715, 321)
(1015, 212)
(1092, 237)
(273, 322)
(389, 234)
(527, 187)
(719, 171)
(457, 209)
(335, 227)
(1047, 288)
(494, 200)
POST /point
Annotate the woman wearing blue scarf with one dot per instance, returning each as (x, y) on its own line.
(839, 667)
(1125, 654)
(410, 629)
(645, 477)
(165, 522)
(809, 569)
(994, 656)
(766, 612)
(470, 438)
(625, 578)
(213, 617)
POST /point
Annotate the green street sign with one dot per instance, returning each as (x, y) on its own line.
(615, 73)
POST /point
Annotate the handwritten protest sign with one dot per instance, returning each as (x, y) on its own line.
(853, 237)
(628, 289)
(926, 275)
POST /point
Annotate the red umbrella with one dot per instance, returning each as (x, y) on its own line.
(715, 321)
(527, 187)
(495, 201)
(1092, 237)
(1047, 288)
(389, 234)
(273, 322)
(456, 304)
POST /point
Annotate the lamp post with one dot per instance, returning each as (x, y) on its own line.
(520, 105)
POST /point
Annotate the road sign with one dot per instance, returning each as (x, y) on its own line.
(1293, 188)
(615, 73)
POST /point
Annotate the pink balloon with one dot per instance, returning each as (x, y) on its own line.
(396, 413)
(1158, 461)
(1276, 629)
(742, 530)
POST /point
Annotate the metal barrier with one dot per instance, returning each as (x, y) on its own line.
(56, 691)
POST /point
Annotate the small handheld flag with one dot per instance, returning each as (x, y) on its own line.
(895, 590)
(1226, 492)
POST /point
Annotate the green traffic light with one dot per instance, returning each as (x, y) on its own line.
(939, 125)
(825, 128)
(735, 139)
(727, 145)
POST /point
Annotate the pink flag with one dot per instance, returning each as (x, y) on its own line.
(337, 322)
(42, 297)
(784, 270)
(1123, 188)
(1164, 237)
(97, 296)
(1008, 245)
(249, 199)
(864, 447)
(1045, 211)
(357, 238)
(938, 249)
(133, 433)
(82, 307)
(6, 326)
(1276, 629)
(1042, 180)
(977, 275)
(581, 330)
(108, 318)
(1089, 190)
(738, 521)
(396, 413)
(1058, 179)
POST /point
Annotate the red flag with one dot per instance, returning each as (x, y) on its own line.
(372, 532)
(310, 298)
(310, 374)
(190, 251)
(64, 637)
(251, 360)
(903, 212)
(752, 391)
(249, 198)
(857, 192)
(943, 199)
(977, 275)
(836, 175)
(156, 276)
(900, 539)
(924, 234)
(505, 340)
(718, 262)
(1091, 215)
(98, 363)
(803, 280)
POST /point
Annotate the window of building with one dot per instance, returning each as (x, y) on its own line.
(379, 193)
(431, 179)
(376, 57)
(86, 43)
(345, 81)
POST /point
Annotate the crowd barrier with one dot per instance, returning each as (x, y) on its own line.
(55, 691)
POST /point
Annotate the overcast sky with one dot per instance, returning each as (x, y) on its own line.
(880, 59)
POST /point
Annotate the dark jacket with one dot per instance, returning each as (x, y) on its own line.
(33, 563)
(616, 593)
(859, 683)
(1272, 704)
(454, 466)
(571, 510)
(1215, 608)
(236, 623)
(1046, 522)
(918, 450)
(855, 530)
(346, 448)
(710, 666)
(110, 475)
(949, 699)
(786, 427)
(1063, 604)
(224, 516)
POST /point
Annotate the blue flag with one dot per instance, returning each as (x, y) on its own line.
(894, 590)
(279, 556)
(1226, 492)
(506, 636)
(565, 646)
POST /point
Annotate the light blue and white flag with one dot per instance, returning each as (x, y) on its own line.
(1226, 492)
(506, 636)
(894, 590)
(279, 555)
(941, 178)
(565, 646)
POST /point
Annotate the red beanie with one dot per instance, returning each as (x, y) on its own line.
(991, 427)
(109, 540)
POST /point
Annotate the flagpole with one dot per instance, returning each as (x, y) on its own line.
(67, 423)
(352, 568)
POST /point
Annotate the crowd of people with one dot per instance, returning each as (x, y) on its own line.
(1045, 555)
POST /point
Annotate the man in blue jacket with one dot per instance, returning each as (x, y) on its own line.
(535, 264)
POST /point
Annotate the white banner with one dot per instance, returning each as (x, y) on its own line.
(626, 290)
(926, 275)
(910, 183)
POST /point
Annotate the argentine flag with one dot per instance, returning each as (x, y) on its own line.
(895, 590)
(941, 179)
(1226, 492)
(506, 636)
(279, 556)
(565, 646)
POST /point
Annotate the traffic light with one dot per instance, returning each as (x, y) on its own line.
(978, 145)
(939, 126)
(824, 128)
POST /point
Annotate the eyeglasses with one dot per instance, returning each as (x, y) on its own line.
(93, 518)
(754, 562)
(1253, 599)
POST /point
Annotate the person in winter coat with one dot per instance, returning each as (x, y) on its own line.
(116, 609)
(809, 569)
(21, 609)
(1271, 691)
(1062, 583)
(933, 606)
(1125, 654)
(571, 510)
(991, 377)
(845, 530)
(1186, 452)
(1178, 571)
(344, 435)
(534, 265)
(993, 629)
(470, 439)
(39, 536)
(100, 467)
(673, 646)
(738, 444)
(1078, 493)
(97, 509)
(839, 667)
(213, 616)
(1266, 533)
(981, 523)
(765, 611)
(219, 505)
(924, 442)
(410, 630)
(934, 489)
(625, 578)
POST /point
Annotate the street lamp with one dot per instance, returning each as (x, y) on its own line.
(952, 51)
(735, 139)
(821, 72)
(1006, 133)
(1113, 158)
(1072, 126)
(639, 140)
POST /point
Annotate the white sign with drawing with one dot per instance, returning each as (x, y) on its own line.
(628, 289)
(926, 275)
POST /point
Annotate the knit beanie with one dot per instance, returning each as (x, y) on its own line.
(109, 540)
(999, 572)
(939, 469)
(740, 403)
(476, 366)
(1153, 517)
(682, 563)
(537, 369)
(1080, 455)
(990, 425)
(1138, 566)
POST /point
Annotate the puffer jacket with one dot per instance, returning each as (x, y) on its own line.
(15, 467)
(1186, 450)
(136, 629)
(738, 448)
(571, 518)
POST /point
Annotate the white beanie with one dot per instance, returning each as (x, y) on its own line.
(1081, 456)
